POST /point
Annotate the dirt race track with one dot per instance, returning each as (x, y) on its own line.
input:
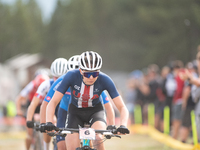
(14, 140)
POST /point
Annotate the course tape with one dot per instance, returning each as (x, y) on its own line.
(162, 138)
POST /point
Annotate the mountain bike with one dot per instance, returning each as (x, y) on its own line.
(86, 135)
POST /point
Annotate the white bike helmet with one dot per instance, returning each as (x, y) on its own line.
(90, 61)
(59, 67)
(73, 62)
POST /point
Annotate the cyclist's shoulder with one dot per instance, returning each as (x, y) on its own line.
(72, 74)
(103, 77)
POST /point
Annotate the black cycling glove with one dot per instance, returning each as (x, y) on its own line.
(42, 127)
(122, 129)
(112, 128)
(30, 124)
(49, 126)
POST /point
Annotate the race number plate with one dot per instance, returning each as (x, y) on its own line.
(87, 133)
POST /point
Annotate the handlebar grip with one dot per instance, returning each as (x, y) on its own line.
(51, 134)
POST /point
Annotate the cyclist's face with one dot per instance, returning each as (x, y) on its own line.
(89, 77)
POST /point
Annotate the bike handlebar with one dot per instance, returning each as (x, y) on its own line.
(65, 131)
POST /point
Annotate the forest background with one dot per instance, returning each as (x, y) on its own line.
(128, 34)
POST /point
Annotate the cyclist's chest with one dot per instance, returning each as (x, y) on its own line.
(84, 92)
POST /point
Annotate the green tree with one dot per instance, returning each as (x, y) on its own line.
(21, 28)
(127, 34)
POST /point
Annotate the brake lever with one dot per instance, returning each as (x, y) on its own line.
(118, 136)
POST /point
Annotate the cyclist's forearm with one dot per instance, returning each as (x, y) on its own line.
(32, 107)
(124, 115)
(50, 110)
(18, 102)
(30, 113)
(43, 112)
(52, 106)
(110, 114)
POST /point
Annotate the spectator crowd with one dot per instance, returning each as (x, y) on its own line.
(174, 85)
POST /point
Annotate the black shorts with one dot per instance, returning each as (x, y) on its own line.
(79, 116)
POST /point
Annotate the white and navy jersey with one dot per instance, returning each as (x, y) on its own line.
(83, 95)
(43, 89)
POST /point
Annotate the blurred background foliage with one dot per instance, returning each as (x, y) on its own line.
(128, 34)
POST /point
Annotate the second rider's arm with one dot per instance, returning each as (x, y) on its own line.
(110, 113)
(50, 111)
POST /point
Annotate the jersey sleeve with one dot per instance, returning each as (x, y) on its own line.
(52, 90)
(110, 86)
(43, 89)
(66, 82)
(27, 89)
(104, 98)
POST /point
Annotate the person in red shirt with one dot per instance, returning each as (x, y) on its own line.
(177, 98)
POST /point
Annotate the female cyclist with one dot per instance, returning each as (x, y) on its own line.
(86, 85)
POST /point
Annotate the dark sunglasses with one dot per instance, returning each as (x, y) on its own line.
(88, 74)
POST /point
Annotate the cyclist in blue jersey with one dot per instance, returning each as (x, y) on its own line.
(63, 106)
(86, 85)
(58, 68)
(73, 63)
